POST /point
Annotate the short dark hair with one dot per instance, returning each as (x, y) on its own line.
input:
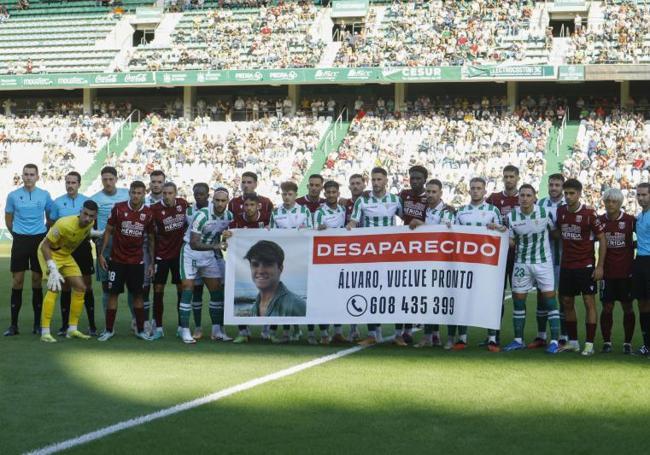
(573, 184)
(556, 176)
(289, 186)
(91, 205)
(379, 170)
(251, 197)
(331, 184)
(316, 176)
(203, 185)
(108, 170)
(74, 174)
(420, 169)
(157, 173)
(436, 182)
(356, 176)
(511, 168)
(31, 166)
(528, 186)
(137, 184)
(170, 185)
(266, 252)
(250, 174)
(645, 185)
(478, 179)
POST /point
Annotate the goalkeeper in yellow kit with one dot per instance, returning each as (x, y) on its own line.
(58, 265)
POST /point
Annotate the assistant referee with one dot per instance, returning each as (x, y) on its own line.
(25, 218)
(641, 273)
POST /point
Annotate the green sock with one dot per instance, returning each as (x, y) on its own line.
(216, 306)
(197, 308)
(542, 317)
(185, 308)
(553, 316)
(519, 317)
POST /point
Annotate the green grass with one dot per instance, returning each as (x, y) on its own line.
(381, 400)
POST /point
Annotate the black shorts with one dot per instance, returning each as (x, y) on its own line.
(83, 256)
(575, 282)
(24, 253)
(616, 290)
(641, 278)
(166, 266)
(130, 274)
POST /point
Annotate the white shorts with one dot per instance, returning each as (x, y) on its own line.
(527, 276)
(202, 264)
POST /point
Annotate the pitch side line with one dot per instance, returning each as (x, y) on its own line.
(216, 396)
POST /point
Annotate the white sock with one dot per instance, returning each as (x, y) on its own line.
(45, 330)
(519, 340)
(436, 334)
(72, 328)
(216, 328)
(159, 329)
(372, 333)
(408, 331)
(353, 328)
(573, 342)
(186, 332)
(324, 333)
(463, 338)
(564, 338)
(541, 335)
(398, 333)
(493, 339)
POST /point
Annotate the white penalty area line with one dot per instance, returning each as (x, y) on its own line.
(216, 396)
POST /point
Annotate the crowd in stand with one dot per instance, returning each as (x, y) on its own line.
(436, 33)
(612, 150)
(276, 36)
(623, 36)
(458, 139)
(190, 151)
(59, 142)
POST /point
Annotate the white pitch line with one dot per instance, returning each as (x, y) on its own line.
(216, 396)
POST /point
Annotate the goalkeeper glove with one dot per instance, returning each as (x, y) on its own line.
(55, 280)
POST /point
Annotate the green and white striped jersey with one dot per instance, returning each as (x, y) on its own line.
(556, 244)
(478, 215)
(332, 218)
(372, 211)
(531, 235)
(210, 225)
(296, 217)
(190, 213)
(439, 215)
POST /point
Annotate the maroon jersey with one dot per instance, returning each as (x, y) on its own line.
(579, 230)
(349, 206)
(241, 222)
(129, 231)
(619, 233)
(311, 205)
(236, 206)
(169, 224)
(503, 202)
(414, 206)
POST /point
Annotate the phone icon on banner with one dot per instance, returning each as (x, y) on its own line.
(357, 305)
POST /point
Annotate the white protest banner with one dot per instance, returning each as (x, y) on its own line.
(431, 275)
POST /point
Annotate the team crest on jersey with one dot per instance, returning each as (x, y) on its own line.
(178, 209)
(143, 217)
(163, 213)
(578, 218)
(621, 224)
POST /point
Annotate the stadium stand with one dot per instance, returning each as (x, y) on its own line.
(274, 37)
(448, 33)
(56, 143)
(277, 149)
(619, 32)
(611, 151)
(455, 140)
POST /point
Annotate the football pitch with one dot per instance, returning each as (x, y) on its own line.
(382, 399)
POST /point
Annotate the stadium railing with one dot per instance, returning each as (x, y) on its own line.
(119, 134)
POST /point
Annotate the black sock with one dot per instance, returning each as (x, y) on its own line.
(16, 303)
(644, 322)
(89, 303)
(37, 305)
(66, 298)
